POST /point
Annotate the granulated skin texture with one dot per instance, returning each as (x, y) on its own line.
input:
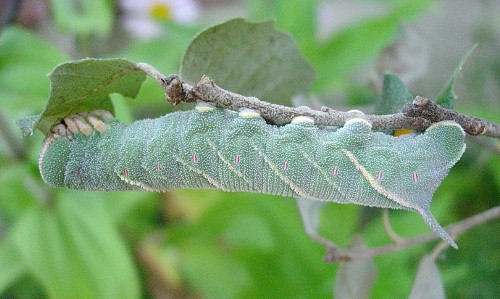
(210, 148)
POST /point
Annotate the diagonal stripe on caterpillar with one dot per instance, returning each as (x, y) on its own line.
(212, 148)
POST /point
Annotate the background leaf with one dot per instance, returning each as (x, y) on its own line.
(25, 60)
(357, 44)
(355, 279)
(256, 240)
(74, 254)
(252, 59)
(428, 283)
(309, 213)
(447, 96)
(84, 17)
(11, 264)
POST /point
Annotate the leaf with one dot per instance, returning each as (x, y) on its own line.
(428, 283)
(309, 213)
(350, 48)
(11, 264)
(394, 96)
(252, 59)
(84, 85)
(299, 18)
(355, 279)
(17, 185)
(447, 96)
(84, 17)
(357, 44)
(283, 262)
(25, 60)
(73, 250)
(260, 9)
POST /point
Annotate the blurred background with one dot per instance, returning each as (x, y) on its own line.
(208, 244)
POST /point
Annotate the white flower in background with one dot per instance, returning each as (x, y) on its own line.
(142, 18)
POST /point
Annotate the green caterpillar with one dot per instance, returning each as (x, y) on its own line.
(211, 148)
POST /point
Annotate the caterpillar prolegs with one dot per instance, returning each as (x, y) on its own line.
(220, 149)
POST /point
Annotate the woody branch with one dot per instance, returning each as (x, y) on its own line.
(418, 115)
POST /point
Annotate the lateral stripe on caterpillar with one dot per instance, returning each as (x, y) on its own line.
(211, 148)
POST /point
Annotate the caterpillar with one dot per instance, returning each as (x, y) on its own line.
(212, 148)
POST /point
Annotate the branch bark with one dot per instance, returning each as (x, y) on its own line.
(422, 107)
(417, 116)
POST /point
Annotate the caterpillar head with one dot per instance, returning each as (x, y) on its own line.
(56, 147)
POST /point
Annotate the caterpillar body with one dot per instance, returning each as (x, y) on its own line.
(211, 148)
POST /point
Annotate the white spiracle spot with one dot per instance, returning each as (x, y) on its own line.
(302, 120)
(204, 107)
(249, 113)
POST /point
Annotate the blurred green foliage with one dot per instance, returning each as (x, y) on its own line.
(62, 243)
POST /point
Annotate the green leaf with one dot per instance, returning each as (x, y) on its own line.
(428, 283)
(359, 43)
(447, 96)
(73, 250)
(260, 9)
(299, 18)
(84, 16)
(17, 183)
(350, 48)
(25, 61)
(11, 264)
(252, 59)
(394, 96)
(274, 259)
(85, 85)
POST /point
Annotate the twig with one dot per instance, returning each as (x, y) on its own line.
(206, 90)
(422, 107)
(388, 228)
(438, 249)
(454, 230)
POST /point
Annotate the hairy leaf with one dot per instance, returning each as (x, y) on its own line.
(84, 85)
(252, 59)
(394, 96)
